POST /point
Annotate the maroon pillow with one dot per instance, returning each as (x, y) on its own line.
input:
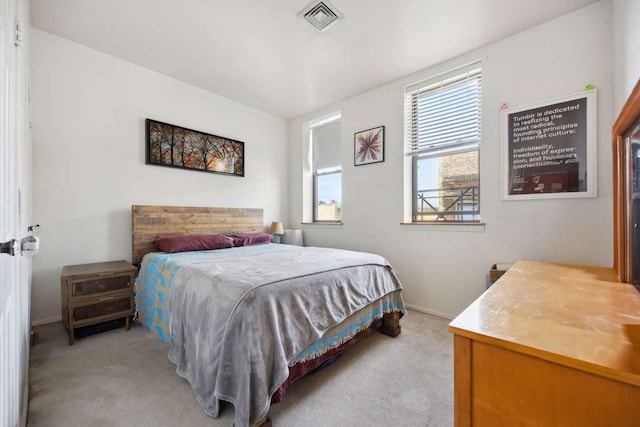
(250, 239)
(193, 243)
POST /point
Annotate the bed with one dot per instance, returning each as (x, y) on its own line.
(242, 323)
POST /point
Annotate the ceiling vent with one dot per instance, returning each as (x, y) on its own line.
(320, 15)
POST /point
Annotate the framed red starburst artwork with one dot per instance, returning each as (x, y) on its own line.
(368, 146)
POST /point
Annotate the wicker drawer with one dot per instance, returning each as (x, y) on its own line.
(98, 286)
(102, 309)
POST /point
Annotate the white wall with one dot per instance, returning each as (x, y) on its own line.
(89, 157)
(626, 59)
(443, 270)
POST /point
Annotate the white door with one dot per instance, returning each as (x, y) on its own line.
(14, 206)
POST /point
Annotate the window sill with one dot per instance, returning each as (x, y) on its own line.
(477, 227)
(323, 223)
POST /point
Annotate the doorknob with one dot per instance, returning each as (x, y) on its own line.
(28, 246)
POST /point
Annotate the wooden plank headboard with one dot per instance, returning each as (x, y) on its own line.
(153, 222)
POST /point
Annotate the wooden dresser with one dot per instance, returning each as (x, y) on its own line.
(549, 345)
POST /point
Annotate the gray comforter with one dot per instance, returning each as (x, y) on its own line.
(235, 324)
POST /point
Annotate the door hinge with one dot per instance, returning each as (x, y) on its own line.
(18, 40)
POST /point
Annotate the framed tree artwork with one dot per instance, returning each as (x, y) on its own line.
(178, 147)
(369, 146)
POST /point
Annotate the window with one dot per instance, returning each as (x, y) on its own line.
(442, 136)
(327, 172)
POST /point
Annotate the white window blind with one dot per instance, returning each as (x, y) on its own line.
(326, 146)
(444, 117)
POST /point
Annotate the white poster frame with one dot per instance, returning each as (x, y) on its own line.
(591, 148)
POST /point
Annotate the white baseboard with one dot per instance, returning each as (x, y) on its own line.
(409, 306)
(45, 321)
(431, 312)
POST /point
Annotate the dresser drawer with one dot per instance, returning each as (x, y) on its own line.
(96, 286)
(101, 309)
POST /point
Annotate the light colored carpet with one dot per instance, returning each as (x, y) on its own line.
(119, 378)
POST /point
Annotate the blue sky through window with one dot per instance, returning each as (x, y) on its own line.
(330, 188)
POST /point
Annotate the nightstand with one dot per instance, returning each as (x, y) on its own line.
(95, 293)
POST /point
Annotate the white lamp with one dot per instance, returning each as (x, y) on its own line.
(277, 230)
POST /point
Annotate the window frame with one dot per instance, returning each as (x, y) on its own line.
(335, 118)
(416, 151)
